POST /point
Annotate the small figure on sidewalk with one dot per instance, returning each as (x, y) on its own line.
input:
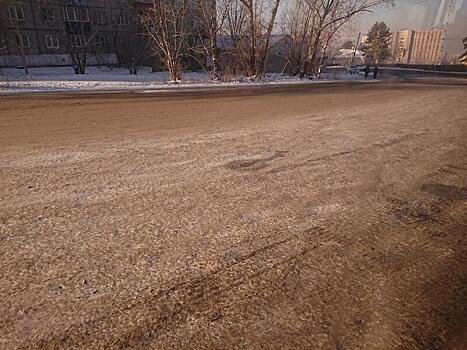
(375, 72)
(367, 71)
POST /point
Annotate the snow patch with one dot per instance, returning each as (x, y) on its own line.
(44, 79)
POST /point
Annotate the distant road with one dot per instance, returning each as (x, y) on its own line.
(320, 216)
(386, 80)
(408, 73)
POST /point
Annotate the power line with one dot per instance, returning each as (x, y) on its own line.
(394, 9)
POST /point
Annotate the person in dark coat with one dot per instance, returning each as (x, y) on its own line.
(367, 71)
(375, 72)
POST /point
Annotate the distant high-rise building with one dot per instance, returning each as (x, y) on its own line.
(417, 46)
(400, 46)
(426, 47)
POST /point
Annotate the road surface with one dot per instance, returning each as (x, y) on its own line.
(301, 217)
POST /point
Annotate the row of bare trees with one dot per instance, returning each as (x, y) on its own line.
(245, 25)
(234, 35)
(184, 28)
(311, 25)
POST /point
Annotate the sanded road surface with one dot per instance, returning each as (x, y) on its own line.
(303, 217)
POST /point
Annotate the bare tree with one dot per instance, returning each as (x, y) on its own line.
(265, 38)
(328, 35)
(165, 25)
(261, 17)
(135, 52)
(234, 28)
(128, 36)
(322, 19)
(78, 52)
(117, 16)
(78, 38)
(296, 24)
(212, 15)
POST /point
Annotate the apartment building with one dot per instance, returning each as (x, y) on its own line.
(400, 46)
(463, 57)
(427, 47)
(417, 46)
(47, 31)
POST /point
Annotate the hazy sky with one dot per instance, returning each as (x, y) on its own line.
(424, 14)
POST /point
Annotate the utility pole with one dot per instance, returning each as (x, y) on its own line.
(355, 48)
(440, 52)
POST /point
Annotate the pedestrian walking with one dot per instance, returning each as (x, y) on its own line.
(375, 72)
(367, 71)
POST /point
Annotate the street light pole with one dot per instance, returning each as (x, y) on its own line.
(355, 48)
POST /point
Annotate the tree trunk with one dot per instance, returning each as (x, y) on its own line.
(314, 51)
(79, 63)
(310, 57)
(234, 58)
(21, 50)
(260, 64)
(173, 70)
(321, 59)
(215, 58)
(252, 48)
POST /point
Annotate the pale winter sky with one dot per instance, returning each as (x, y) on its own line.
(423, 14)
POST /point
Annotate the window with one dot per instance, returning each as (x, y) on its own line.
(22, 40)
(51, 41)
(99, 17)
(101, 41)
(77, 41)
(83, 15)
(48, 14)
(76, 14)
(70, 14)
(123, 19)
(16, 13)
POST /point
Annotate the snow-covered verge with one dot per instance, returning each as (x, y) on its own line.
(44, 79)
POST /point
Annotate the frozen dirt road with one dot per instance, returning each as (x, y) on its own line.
(304, 217)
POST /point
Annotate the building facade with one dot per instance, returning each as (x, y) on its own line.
(400, 46)
(47, 32)
(427, 47)
(417, 46)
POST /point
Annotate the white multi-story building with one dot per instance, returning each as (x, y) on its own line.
(417, 46)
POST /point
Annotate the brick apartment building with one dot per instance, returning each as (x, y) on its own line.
(417, 46)
(46, 31)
